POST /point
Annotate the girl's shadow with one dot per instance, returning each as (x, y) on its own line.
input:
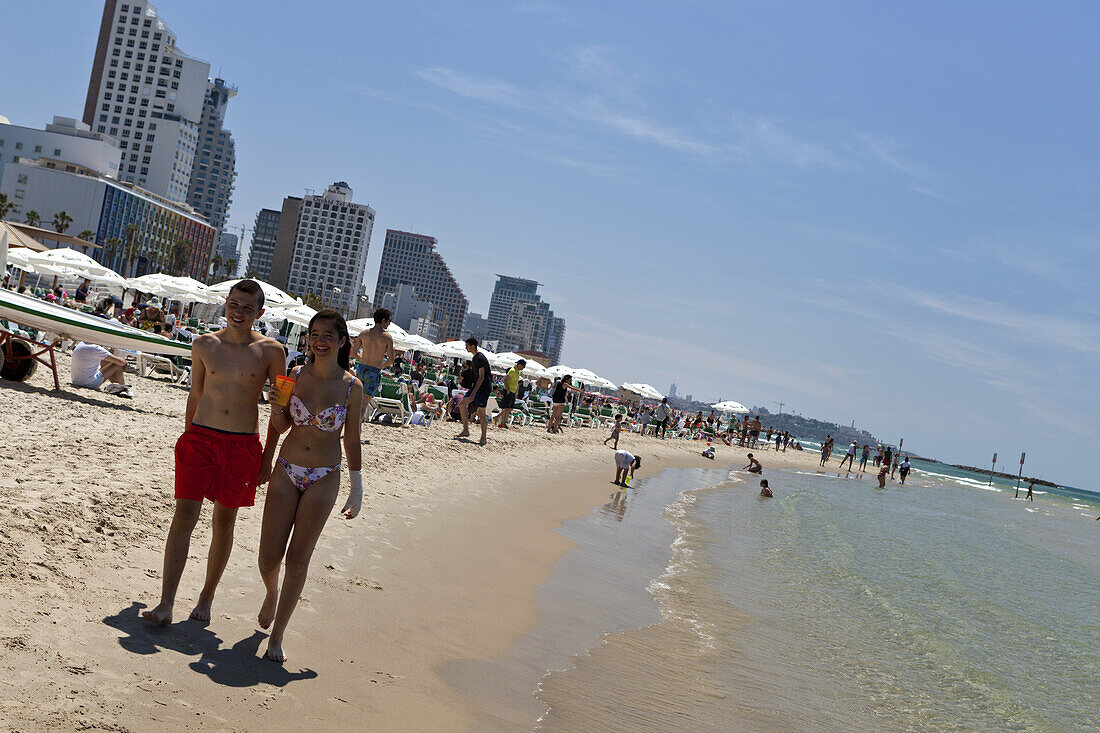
(238, 666)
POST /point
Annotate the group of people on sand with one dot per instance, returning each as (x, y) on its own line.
(220, 457)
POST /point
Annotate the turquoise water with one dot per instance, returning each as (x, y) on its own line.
(939, 605)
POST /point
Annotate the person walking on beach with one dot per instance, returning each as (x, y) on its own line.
(615, 430)
(754, 431)
(903, 471)
(511, 389)
(372, 349)
(754, 465)
(218, 457)
(863, 458)
(304, 487)
(625, 463)
(558, 399)
(850, 456)
(826, 450)
(662, 414)
(478, 396)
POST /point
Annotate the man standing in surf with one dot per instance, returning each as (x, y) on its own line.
(218, 456)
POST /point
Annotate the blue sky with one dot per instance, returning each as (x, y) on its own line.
(882, 212)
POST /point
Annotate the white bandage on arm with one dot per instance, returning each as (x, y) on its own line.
(355, 495)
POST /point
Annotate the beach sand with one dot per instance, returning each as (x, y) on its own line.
(442, 565)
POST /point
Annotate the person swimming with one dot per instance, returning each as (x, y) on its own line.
(765, 491)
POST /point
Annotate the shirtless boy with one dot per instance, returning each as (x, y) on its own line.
(218, 456)
(372, 349)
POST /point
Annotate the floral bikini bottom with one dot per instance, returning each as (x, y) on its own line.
(303, 476)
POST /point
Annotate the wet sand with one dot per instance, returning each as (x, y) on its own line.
(442, 565)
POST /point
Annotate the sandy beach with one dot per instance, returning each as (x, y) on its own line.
(442, 565)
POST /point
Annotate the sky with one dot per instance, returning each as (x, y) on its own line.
(876, 212)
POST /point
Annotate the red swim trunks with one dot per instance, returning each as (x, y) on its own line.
(219, 466)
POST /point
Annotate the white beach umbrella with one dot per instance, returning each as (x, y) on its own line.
(298, 314)
(455, 350)
(559, 370)
(643, 390)
(272, 295)
(20, 257)
(65, 262)
(173, 288)
(357, 326)
(730, 406)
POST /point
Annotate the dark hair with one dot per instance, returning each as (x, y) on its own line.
(343, 355)
(764, 482)
(637, 462)
(471, 341)
(252, 288)
(522, 361)
(382, 314)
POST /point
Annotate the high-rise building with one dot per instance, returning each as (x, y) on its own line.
(264, 232)
(321, 247)
(476, 326)
(555, 339)
(405, 307)
(412, 259)
(210, 190)
(521, 320)
(147, 94)
(138, 232)
(66, 143)
(672, 390)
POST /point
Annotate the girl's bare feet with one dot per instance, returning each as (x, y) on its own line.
(161, 615)
(267, 610)
(275, 651)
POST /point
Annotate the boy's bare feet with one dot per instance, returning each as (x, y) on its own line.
(161, 615)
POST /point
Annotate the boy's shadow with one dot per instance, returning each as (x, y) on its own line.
(237, 666)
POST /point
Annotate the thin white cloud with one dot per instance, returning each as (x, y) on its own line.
(758, 135)
(471, 86)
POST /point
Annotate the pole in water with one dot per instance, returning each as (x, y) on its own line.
(1018, 476)
(992, 469)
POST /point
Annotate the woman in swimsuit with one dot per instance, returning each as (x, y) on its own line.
(306, 482)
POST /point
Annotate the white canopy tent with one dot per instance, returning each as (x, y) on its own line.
(730, 406)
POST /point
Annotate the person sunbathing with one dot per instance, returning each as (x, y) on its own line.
(304, 488)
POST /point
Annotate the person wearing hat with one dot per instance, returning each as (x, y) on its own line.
(511, 386)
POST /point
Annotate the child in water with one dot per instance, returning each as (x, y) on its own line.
(764, 490)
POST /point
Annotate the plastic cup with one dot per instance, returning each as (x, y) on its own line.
(284, 386)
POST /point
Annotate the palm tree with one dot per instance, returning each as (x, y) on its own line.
(131, 247)
(6, 207)
(61, 221)
(180, 255)
(230, 267)
(110, 249)
(217, 262)
(33, 218)
(88, 236)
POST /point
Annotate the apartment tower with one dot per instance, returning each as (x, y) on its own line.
(147, 94)
(215, 170)
(264, 233)
(412, 259)
(321, 247)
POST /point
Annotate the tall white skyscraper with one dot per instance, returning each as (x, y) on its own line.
(147, 94)
(215, 169)
(326, 248)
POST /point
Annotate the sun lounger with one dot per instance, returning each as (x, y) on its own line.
(393, 400)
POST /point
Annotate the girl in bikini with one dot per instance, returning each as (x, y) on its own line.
(305, 483)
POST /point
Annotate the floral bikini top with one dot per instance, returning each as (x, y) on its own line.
(329, 419)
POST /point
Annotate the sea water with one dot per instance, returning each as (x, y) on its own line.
(691, 603)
